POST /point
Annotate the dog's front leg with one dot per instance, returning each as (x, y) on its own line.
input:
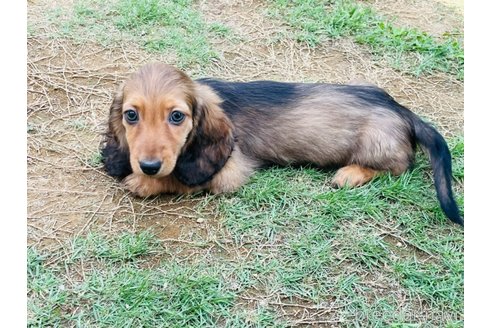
(234, 174)
(144, 186)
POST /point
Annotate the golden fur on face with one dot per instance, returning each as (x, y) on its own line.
(154, 107)
(227, 130)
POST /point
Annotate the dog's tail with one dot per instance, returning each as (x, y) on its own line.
(440, 158)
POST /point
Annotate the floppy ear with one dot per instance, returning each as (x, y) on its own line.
(115, 154)
(209, 145)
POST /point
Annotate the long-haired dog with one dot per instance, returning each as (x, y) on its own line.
(170, 134)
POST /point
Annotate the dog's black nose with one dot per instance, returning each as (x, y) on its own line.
(150, 167)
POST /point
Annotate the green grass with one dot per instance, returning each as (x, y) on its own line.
(382, 255)
(94, 160)
(327, 236)
(457, 152)
(175, 28)
(405, 48)
(172, 27)
(436, 283)
(117, 290)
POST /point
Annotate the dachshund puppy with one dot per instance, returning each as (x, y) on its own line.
(170, 134)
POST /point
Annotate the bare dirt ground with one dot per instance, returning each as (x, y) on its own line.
(70, 88)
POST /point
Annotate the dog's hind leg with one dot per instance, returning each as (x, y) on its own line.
(365, 168)
(353, 176)
(384, 148)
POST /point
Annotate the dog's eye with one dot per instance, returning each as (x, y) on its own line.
(131, 116)
(176, 117)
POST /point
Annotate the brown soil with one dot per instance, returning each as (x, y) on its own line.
(70, 88)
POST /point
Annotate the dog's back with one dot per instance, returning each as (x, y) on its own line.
(324, 124)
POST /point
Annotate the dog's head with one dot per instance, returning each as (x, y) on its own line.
(165, 123)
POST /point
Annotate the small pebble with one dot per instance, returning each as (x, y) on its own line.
(200, 220)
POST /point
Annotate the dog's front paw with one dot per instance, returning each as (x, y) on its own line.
(141, 185)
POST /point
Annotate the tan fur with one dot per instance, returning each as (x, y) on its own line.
(143, 186)
(154, 102)
(234, 174)
(336, 132)
(353, 176)
(233, 128)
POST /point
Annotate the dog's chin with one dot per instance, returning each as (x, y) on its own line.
(160, 175)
